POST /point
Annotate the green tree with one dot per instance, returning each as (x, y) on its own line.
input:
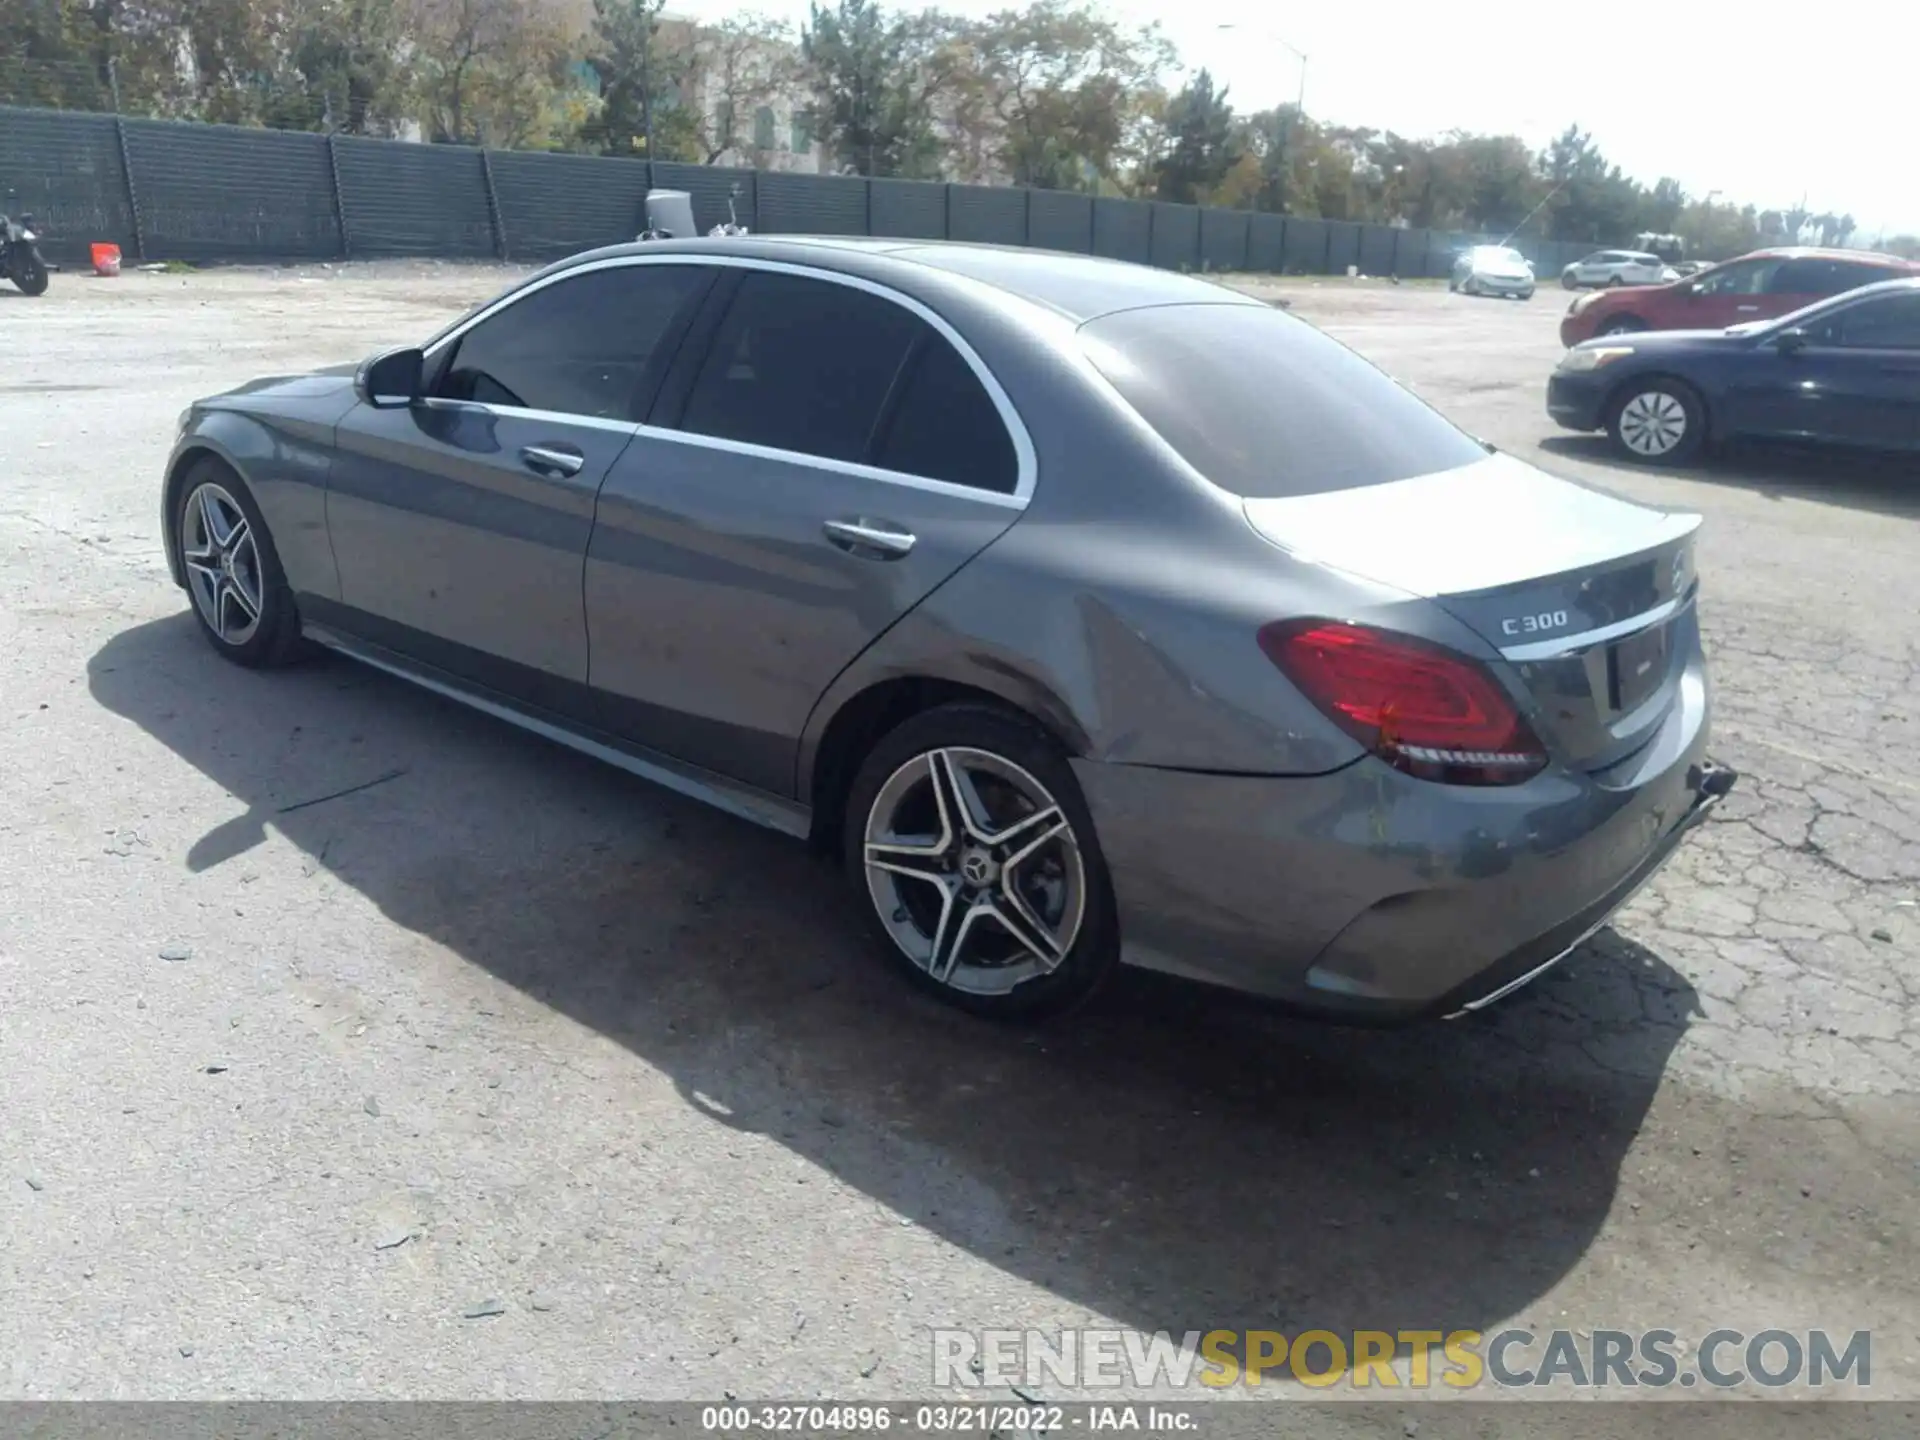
(1067, 87)
(876, 77)
(634, 72)
(740, 66)
(1202, 142)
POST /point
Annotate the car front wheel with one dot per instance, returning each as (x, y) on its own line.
(971, 846)
(1657, 422)
(1624, 325)
(240, 595)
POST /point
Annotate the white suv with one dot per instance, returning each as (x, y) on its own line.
(1617, 267)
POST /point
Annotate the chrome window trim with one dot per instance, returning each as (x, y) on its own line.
(521, 412)
(1027, 465)
(999, 499)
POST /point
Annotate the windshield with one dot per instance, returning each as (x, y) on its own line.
(1501, 254)
(1265, 405)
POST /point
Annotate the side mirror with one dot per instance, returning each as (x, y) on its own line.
(391, 381)
(1790, 342)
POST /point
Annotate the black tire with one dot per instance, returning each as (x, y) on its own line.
(1613, 280)
(274, 638)
(1653, 392)
(29, 273)
(1094, 949)
(1567, 282)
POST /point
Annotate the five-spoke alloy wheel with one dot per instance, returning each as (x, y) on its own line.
(974, 848)
(227, 559)
(223, 563)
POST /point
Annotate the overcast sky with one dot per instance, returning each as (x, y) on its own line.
(1761, 104)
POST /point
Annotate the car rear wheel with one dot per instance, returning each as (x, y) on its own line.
(1615, 279)
(240, 595)
(1657, 421)
(969, 841)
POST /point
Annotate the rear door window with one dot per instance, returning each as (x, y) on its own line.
(1265, 405)
(942, 424)
(1852, 274)
(1808, 277)
(802, 365)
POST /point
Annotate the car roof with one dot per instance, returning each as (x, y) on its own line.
(1826, 252)
(1080, 287)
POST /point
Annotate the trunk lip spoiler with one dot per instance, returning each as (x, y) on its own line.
(1317, 528)
(1563, 647)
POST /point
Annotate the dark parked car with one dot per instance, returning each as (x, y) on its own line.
(1760, 286)
(1843, 372)
(1088, 612)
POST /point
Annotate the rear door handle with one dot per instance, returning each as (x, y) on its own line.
(1747, 309)
(552, 459)
(876, 537)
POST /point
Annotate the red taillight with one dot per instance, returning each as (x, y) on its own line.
(1420, 707)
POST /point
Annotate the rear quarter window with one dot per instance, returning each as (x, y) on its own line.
(1265, 405)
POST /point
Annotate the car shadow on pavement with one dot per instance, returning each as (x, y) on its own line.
(1884, 484)
(1169, 1157)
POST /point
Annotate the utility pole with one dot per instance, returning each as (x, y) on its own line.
(646, 74)
(1300, 102)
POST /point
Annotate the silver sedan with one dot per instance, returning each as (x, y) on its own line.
(1087, 613)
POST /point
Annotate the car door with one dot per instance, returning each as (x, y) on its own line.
(1726, 295)
(1856, 378)
(460, 523)
(1849, 373)
(823, 462)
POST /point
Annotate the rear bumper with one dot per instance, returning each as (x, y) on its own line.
(1712, 783)
(1372, 897)
(1575, 400)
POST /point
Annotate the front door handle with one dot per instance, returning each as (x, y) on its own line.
(552, 460)
(872, 536)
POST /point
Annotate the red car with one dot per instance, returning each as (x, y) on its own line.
(1760, 286)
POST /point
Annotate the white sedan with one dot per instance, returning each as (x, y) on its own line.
(1493, 270)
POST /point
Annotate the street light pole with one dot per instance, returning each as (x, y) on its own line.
(1299, 104)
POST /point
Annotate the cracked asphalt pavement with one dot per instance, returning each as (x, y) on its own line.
(355, 1045)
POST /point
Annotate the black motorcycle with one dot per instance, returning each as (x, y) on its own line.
(20, 259)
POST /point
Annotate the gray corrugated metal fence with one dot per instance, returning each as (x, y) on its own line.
(169, 190)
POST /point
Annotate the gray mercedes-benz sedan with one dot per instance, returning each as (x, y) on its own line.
(1090, 613)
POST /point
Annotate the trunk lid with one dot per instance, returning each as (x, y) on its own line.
(1588, 597)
